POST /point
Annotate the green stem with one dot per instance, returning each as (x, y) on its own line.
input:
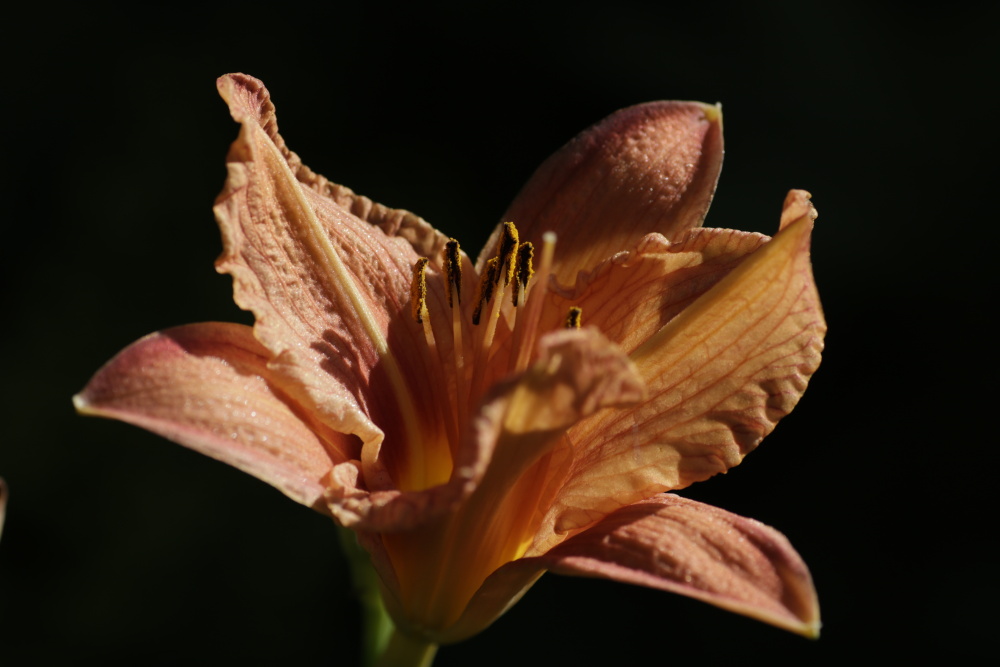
(382, 644)
(404, 651)
(376, 625)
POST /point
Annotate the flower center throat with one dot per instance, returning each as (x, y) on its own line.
(492, 337)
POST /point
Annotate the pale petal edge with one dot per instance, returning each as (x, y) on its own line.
(682, 546)
(205, 386)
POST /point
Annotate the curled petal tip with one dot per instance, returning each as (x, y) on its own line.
(808, 623)
(227, 81)
(224, 84)
(649, 167)
(80, 404)
(796, 207)
(713, 112)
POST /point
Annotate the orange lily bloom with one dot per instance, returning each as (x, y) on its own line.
(457, 416)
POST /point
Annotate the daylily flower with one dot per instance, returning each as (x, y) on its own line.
(457, 416)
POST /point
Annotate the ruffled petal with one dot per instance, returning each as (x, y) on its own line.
(425, 239)
(682, 546)
(207, 387)
(285, 248)
(648, 168)
(331, 297)
(719, 375)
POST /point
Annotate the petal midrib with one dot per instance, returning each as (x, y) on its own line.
(314, 235)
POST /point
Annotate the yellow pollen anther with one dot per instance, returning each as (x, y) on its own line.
(525, 253)
(507, 252)
(573, 318)
(453, 270)
(418, 290)
(486, 284)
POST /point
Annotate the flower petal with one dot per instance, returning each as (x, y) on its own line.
(576, 375)
(632, 295)
(682, 546)
(310, 309)
(426, 241)
(719, 375)
(207, 387)
(440, 568)
(499, 592)
(648, 168)
(331, 297)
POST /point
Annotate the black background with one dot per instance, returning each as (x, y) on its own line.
(123, 548)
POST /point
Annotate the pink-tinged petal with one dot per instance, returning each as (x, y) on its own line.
(250, 93)
(682, 546)
(719, 375)
(331, 297)
(393, 510)
(207, 387)
(648, 168)
(289, 268)
(632, 295)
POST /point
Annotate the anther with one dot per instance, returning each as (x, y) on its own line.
(418, 290)
(525, 253)
(507, 251)
(573, 318)
(453, 270)
(486, 283)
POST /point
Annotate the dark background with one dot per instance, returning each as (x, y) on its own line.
(123, 548)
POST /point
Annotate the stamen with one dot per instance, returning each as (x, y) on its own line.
(489, 331)
(573, 318)
(487, 282)
(507, 251)
(418, 290)
(525, 253)
(524, 335)
(453, 271)
(453, 275)
(427, 464)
